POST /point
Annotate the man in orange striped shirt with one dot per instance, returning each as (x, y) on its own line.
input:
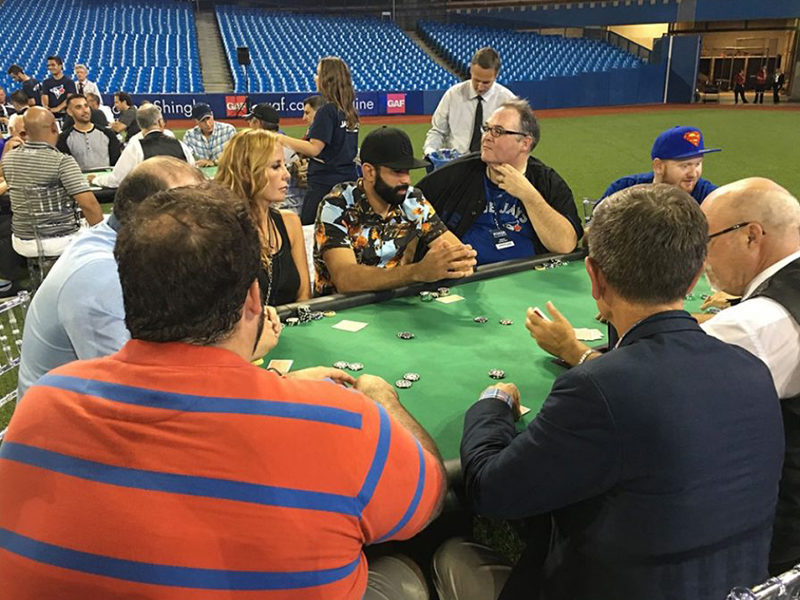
(176, 469)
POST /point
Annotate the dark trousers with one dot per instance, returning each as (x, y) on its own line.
(759, 99)
(776, 98)
(739, 91)
(12, 265)
(313, 196)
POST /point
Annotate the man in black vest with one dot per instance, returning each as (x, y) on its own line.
(152, 143)
(754, 252)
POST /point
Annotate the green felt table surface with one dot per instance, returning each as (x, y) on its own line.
(452, 353)
(107, 194)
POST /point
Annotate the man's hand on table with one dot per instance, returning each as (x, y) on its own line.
(269, 334)
(507, 388)
(204, 162)
(320, 373)
(718, 300)
(378, 390)
(90, 178)
(447, 262)
(557, 336)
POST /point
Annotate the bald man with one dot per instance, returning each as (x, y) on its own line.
(77, 312)
(44, 185)
(754, 252)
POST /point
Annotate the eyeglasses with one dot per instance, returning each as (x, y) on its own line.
(729, 229)
(497, 131)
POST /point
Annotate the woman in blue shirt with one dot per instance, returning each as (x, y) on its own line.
(332, 138)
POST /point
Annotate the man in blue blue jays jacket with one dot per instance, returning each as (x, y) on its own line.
(659, 460)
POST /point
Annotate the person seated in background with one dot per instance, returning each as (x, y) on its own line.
(456, 123)
(77, 312)
(6, 110)
(659, 461)
(208, 137)
(152, 143)
(19, 102)
(92, 146)
(367, 231)
(275, 483)
(126, 122)
(45, 186)
(677, 157)
(252, 167)
(505, 203)
(310, 107)
(265, 116)
(16, 133)
(96, 104)
(96, 116)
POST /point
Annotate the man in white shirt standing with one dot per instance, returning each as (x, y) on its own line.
(466, 106)
(83, 85)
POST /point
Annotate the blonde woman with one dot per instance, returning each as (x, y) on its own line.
(332, 141)
(252, 166)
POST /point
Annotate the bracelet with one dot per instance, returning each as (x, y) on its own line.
(498, 394)
(584, 356)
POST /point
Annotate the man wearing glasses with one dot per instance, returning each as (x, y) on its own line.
(505, 203)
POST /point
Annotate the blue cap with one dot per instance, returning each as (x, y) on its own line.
(201, 111)
(680, 142)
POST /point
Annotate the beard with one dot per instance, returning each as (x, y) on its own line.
(391, 195)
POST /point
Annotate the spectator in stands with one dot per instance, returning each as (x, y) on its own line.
(92, 147)
(152, 143)
(283, 488)
(367, 231)
(504, 202)
(207, 139)
(457, 121)
(632, 453)
(56, 88)
(252, 167)
(96, 103)
(333, 137)
(44, 186)
(127, 116)
(761, 85)
(30, 85)
(17, 133)
(738, 87)
(77, 312)
(82, 84)
(677, 157)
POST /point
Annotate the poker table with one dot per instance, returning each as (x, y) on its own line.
(451, 352)
(105, 195)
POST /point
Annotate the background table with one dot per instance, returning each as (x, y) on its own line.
(105, 195)
(452, 353)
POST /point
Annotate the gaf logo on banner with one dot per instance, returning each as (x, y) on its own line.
(395, 104)
(235, 106)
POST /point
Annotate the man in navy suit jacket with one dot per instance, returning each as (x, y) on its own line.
(659, 461)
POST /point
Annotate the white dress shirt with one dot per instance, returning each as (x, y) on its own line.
(766, 329)
(452, 123)
(89, 87)
(128, 160)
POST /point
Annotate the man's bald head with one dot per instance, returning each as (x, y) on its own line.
(40, 125)
(153, 175)
(753, 223)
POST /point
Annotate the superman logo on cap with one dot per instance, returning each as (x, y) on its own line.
(693, 137)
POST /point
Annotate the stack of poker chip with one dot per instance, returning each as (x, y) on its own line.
(407, 381)
(344, 365)
(304, 314)
(497, 373)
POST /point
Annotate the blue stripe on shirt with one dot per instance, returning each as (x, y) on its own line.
(207, 487)
(202, 404)
(412, 507)
(168, 575)
(378, 460)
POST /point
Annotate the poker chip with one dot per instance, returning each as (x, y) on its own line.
(540, 267)
(340, 364)
(355, 366)
(411, 376)
(443, 291)
(434, 294)
(292, 321)
(497, 373)
(506, 322)
(480, 319)
(425, 296)
(329, 313)
(712, 310)
(405, 335)
(403, 384)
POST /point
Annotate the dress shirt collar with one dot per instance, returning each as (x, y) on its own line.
(767, 273)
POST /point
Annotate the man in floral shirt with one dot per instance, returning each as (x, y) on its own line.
(367, 231)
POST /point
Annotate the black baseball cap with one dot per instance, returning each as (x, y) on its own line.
(201, 111)
(390, 147)
(264, 112)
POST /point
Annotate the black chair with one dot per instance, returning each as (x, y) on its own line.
(785, 586)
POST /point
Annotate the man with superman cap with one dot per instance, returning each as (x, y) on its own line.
(677, 160)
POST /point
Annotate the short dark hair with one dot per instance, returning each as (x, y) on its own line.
(486, 58)
(19, 97)
(72, 97)
(15, 70)
(528, 123)
(124, 97)
(92, 96)
(145, 181)
(649, 241)
(315, 102)
(56, 58)
(201, 241)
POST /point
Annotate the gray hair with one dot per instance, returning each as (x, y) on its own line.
(527, 120)
(80, 66)
(762, 200)
(649, 241)
(148, 116)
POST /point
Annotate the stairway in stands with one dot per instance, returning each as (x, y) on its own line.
(213, 62)
(432, 53)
